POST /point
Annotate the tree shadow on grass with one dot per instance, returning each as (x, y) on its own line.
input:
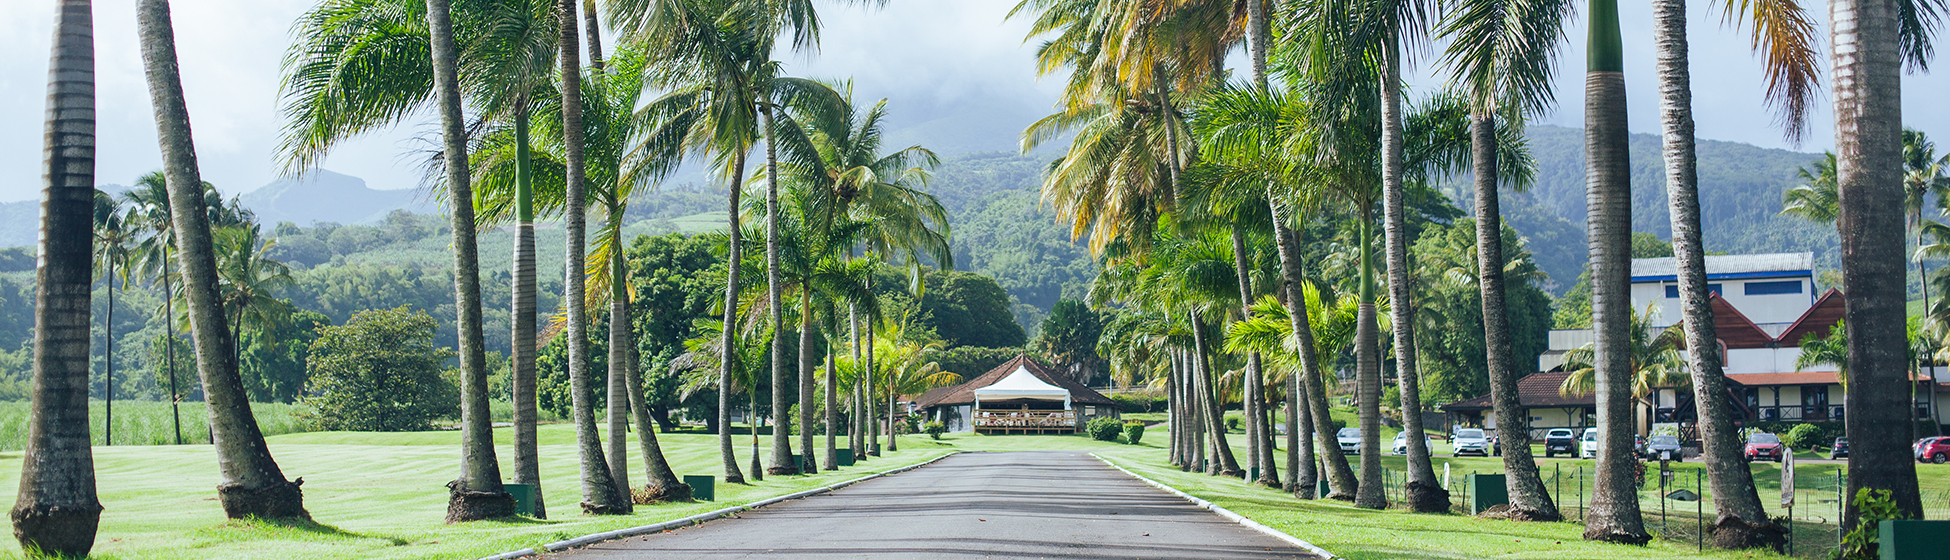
(300, 528)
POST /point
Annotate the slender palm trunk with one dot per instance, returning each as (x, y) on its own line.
(1313, 387)
(832, 460)
(1425, 495)
(1301, 460)
(619, 406)
(867, 396)
(856, 434)
(1367, 372)
(1207, 398)
(1868, 156)
(758, 470)
(600, 493)
(108, 359)
(1529, 499)
(781, 436)
(57, 510)
(477, 494)
(169, 346)
(1742, 522)
(253, 486)
(528, 466)
(1255, 385)
(807, 365)
(1197, 438)
(1614, 514)
(660, 483)
(1176, 455)
(728, 344)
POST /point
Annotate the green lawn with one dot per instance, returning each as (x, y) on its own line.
(382, 496)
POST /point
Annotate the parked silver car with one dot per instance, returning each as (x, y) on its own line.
(1469, 441)
(1350, 440)
(1401, 443)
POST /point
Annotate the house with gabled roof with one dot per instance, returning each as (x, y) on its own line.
(1018, 397)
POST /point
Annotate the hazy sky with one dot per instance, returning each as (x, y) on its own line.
(928, 56)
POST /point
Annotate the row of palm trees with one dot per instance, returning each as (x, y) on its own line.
(547, 137)
(1169, 161)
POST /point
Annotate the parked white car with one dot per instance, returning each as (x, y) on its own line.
(1401, 443)
(1469, 441)
(1350, 440)
(1588, 444)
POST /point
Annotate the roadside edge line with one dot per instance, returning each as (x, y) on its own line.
(594, 538)
(1226, 513)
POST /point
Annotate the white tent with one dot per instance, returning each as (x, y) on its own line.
(1021, 384)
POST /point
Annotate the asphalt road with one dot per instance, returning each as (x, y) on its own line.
(1063, 505)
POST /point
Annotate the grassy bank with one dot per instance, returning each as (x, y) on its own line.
(148, 422)
(381, 496)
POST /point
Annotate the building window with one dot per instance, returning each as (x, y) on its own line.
(1672, 290)
(1773, 288)
(1090, 410)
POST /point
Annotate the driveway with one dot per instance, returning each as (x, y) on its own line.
(1064, 505)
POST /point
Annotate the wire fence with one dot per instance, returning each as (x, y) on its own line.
(1676, 500)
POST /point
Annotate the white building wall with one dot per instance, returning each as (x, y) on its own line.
(1761, 309)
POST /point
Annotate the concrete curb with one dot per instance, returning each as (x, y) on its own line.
(1226, 513)
(590, 539)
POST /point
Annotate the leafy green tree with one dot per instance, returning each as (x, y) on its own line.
(274, 362)
(1069, 337)
(379, 372)
(1449, 333)
(968, 309)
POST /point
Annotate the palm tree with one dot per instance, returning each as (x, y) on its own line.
(1653, 362)
(113, 233)
(1614, 514)
(149, 214)
(1501, 54)
(1870, 47)
(248, 279)
(253, 486)
(57, 511)
(601, 495)
(903, 366)
(367, 64)
(1743, 522)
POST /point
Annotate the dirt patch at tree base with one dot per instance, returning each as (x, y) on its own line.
(599, 509)
(1614, 535)
(676, 492)
(467, 505)
(1733, 533)
(284, 500)
(57, 530)
(1424, 497)
(1506, 511)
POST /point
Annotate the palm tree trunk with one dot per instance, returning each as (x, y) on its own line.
(1176, 421)
(169, 347)
(855, 432)
(1614, 514)
(660, 483)
(1301, 461)
(1742, 523)
(873, 425)
(528, 466)
(1425, 495)
(600, 494)
(1208, 398)
(57, 510)
(477, 494)
(1313, 386)
(1529, 499)
(253, 486)
(758, 470)
(108, 359)
(619, 406)
(832, 460)
(1868, 150)
(1255, 385)
(781, 438)
(728, 344)
(593, 34)
(807, 365)
(1367, 372)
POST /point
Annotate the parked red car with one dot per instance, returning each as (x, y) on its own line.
(1765, 447)
(1935, 450)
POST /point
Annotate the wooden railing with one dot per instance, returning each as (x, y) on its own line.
(1022, 419)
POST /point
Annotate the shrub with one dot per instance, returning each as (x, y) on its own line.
(1131, 403)
(1805, 436)
(379, 373)
(1232, 423)
(934, 429)
(1104, 429)
(1133, 433)
(1874, 507)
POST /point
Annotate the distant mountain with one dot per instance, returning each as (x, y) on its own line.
(325, 196)
(20, 221)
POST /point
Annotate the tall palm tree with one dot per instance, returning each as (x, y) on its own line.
(601, 495)
(1501, 54)
(247, 279)
(113, 233)
(1614, 514)
(1743, 523)
(253, 486)
(57, 510)
(1870, 47)
(149, 214)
